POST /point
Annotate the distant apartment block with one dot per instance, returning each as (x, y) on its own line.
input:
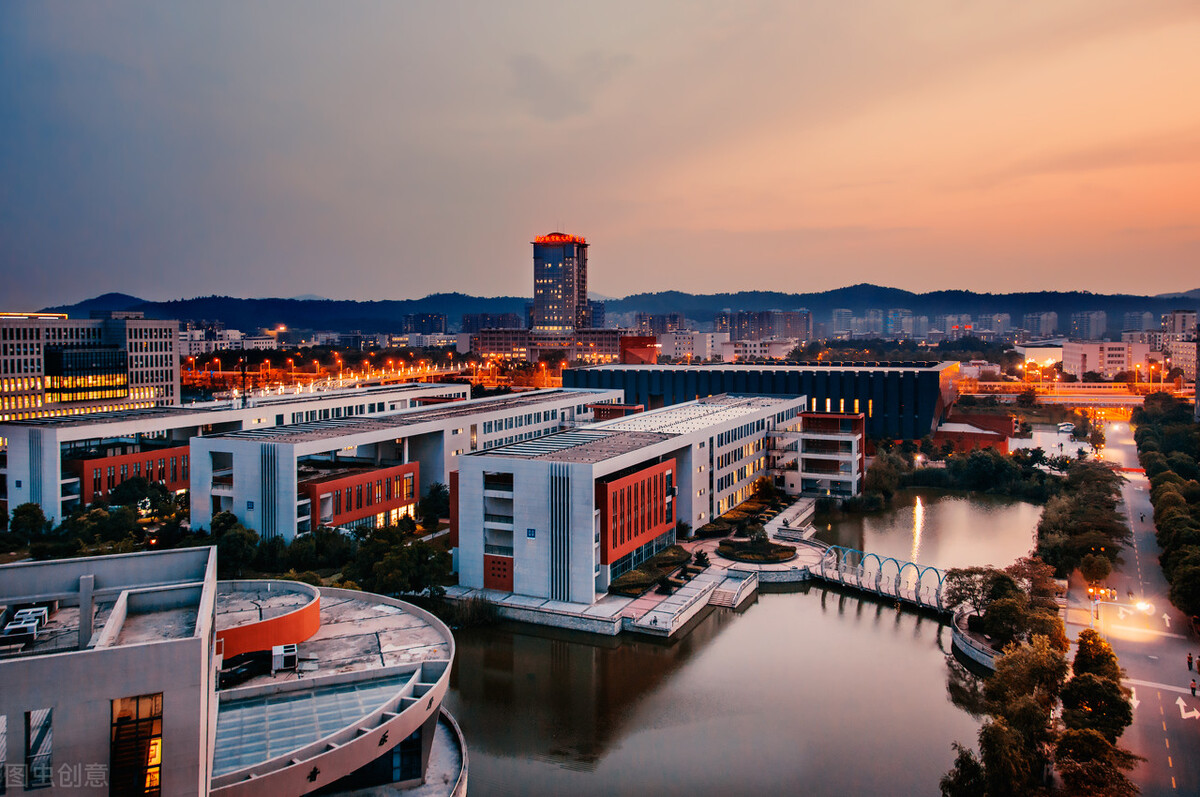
(1091, 325)
(690, 345)
(763, 324)
(474, 322)
(1041, 325)
(659, 323)
(1107, 359)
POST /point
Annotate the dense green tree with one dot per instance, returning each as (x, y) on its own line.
(1035, 669)
(27, 521)
(436, 501)
(236, 549)
(1090, 701)
(966, 778)
(417, 567)
(222, 522)
(1095, 568)
(1093, 655)
(1091, 766)
(1008, 768)
(1185, 589)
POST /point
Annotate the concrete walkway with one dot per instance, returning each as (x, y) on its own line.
(808, 554)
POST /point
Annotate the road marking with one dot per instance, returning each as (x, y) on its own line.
(1167, 619)
(1133, 700)
(1183, 690)
(1169, 763)
(1168, 741)
(1164, 725)
(1171, 634)
(1187, 715)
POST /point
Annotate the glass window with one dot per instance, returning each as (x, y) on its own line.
(39, 742)
(135, 745)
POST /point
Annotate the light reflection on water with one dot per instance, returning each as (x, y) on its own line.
(810, 691)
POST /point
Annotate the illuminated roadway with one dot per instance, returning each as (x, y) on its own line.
(1151, 645)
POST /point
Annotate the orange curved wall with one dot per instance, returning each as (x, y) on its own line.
(287, 629)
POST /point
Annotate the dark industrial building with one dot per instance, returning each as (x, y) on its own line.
(901, 400)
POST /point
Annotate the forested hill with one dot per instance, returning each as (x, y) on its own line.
(385, 315)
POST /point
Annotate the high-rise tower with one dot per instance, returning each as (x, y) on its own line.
(560, 300)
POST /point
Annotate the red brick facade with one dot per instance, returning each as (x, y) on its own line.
(169, 466)
(634, 510)
(362, 494)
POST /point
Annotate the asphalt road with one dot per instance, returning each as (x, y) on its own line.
(1152, 643)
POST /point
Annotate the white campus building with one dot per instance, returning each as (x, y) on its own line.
(363, 471)
(66, 462)
(558, 517)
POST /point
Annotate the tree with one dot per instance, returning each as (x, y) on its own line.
(1091, 766)
(976, 587)
(436, 502)
(1095, 568)
(1185, 589)
(1006, 763)
(1090, 701)
(966, 777)
(222, 522)
(417, 567)
(28, 521)
(1027, 398)
(883, 477)
(1034, 669)
(236, 549)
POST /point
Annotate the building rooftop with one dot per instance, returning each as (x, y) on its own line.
(339, 427)
(246, 606)
(578, 445)
(921, 365)
(150, 413)
(695, 415)
(362, 634)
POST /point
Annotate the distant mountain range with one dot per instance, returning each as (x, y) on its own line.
(384, 316)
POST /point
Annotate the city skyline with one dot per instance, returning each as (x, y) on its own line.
(401, 151)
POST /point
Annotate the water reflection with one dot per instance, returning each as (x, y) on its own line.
(939, 528)
(918, 527)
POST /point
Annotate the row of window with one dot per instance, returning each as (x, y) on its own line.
(104, 478)
(350, 498)
(638, 507)
(517, 421)
(733, 435)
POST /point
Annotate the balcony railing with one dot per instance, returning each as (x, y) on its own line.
(498, 550)
(488, 518)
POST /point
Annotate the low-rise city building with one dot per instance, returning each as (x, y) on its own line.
(64, 463)
(366, 472)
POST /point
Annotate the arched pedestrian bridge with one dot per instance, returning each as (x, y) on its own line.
(885, 576)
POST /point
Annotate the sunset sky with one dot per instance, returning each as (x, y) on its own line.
(394, 149)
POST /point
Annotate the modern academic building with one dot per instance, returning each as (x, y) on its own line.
(363, 471)
(558, 517)
(55, 366)
(900, 401)
(63, 463)
(148, 676)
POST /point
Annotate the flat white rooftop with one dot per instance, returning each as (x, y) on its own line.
(188, 413)
(695, 416)
(339, 427)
